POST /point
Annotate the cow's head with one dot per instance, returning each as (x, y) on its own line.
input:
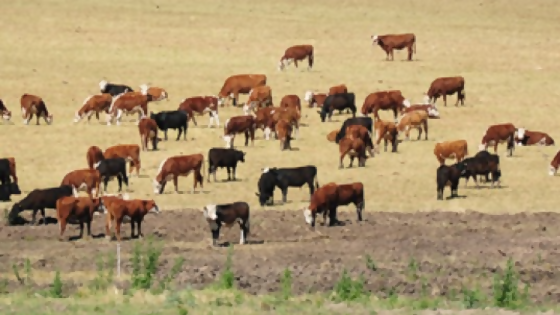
(13, 216)
(49, 119)
(433, 112)
(144, 89)
(99, 206)
(308, 215)
(6, 115)
(158, 185)
(281, 65)
(241, 156)
(521, 133)
(551, 170)
(322, 114)
(308, 96)
(374, 39)
(426, 99)
(102, 86)
(151, 206)
(229, 141)
(482, 146)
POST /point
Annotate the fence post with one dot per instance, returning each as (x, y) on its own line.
(118, 260)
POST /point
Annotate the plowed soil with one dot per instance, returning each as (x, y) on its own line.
(442, 250)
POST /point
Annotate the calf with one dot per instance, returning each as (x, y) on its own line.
(447, 86)
(291, 101)
(94, 104)
(482, 164)
(415, 119)
(386, 130)
(181, 165)
(129, 103)
(34, 105)
(227, 214)
(496, 134)
(327, 198)
(296, 53)
(87, 180)
(391, 42)
(526, 137)
(134, 209)
(82, 209)
(175, 119)
(449, 175)
(94, 155)
(554, 164)
(361, 132)
(7, 190)
(200, 105)
(39, 200)
(355, 148)
(258, 97)
(430, 109)
(157, 93)
(265, 121)
(239, 124)
(113, 89)
(228, 158)
(110, 168)
(284, 134)
(148, 132)
(340, 102)
(6, 114)
(284, 178)
(385, 100)
(129, 152)
(315, 99)
(457, 149)
(362, 121)
(7, 170)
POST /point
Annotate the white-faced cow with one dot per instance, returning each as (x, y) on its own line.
(446, 86)
(175, 166)
(296, 53)
(239, 84)
(227, 214)
(34, 105)
(391, 42)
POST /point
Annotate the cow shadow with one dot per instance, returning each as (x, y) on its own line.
(293, 149)
(486, 187)
(143, 176)
(455, 197)
(228, 180)
(249, 242)
(77, 238)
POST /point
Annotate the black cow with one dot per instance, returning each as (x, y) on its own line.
(40, 199)
(228, 214)
(114, 89)
(109, 168)
(449, 175)
(6, 190)
(5, 172)
(284, 178)
(221, 157)
(338, 102)
(173, 119)
(483, 163)
(362, 121)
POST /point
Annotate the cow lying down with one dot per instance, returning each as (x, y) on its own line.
(227, 214)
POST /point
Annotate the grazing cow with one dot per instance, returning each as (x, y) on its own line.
(416, 119)
(386, 130)
(180, 165)
(385, 100)
(362, 121)
(80, 208)
(113, 89)
(6, 114)
(290, 115)
(431, 109)
(492, 159)
(457, 149)
(34, 105)
(526, 137)
(315, 99)
(112, 167)
(201, 105)
(284, 178)
(391, 42)
(496, 134)
(258, 97)
(39, 200)
(449, 175)
(327, 198)
(227, 214)
(284, 134)
(554, 164)
(483, 163)
(296, 53)
(239, 84)
(129, 103)
(8, 189)
(228, 158)
(148, 129)
(134, 209)
(361, 132)
(339, 102)
(264, 121)
(239, 124)
(83, 180)
(129, 152)
(94, 104)
(172, 119)
(291, 101)
(93, 155)
(7, 169)
(156, 93)
(355, 148)
(447, 86)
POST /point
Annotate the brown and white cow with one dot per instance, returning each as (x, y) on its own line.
(239, 84)
(386, 130)
(71, 208)
(554, 164)
(361, 132)
(87, 180)
(315, 99)
(239, 124)
(497, 134)
(93, 155)
(290, 115)
(135, 210)
(6, 114)
(416, 119)
(180, 165)
(258, 97)
(34, 105)
(385, 100)
(129, 152)
(431, 109)
(391, 42)
(327, 198)
(446, 86)
(291, 101)
(527, 137)
(148, 132)
(129, 103)
(264, 121)
(355, 148)
(201, 105)
(284, 133)
(156, 93)
(12, 168)
(457, 149)
(296, 53)
(94, 104)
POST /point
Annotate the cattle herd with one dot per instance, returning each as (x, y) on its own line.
(359, 138)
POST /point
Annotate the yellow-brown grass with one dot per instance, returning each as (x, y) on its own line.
(507, 51)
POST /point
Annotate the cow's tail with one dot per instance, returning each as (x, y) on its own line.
(311, 58)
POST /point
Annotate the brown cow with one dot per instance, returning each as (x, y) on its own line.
(93, 156)
(457, 149)
(337, 89)
(327, 198)
(70, 208)
(431, 109)
(385, 100)
(446, 86)
(156, 93)
(284, 133)
(148, 131)
(496, 134)
(34, 105)
(264, 121)
(94, 104)
(6, 114)
(554, 164)
(416, 119)
(360, 132)
(129, 103)
(290, 115)
(355, 148)
(201, 105)
(390, 42)
(386, 130)
(129, 152)
(239, 84)
(315, 99)
(296, 53)
(12, 165)
(258, 97)
(239, 124)
(87, 180)
(180, 165)
(135, 210)
(526, 137)
(291, 101)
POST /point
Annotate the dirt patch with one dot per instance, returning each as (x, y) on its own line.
(440, 251)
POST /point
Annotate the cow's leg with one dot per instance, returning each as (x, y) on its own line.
(476, 181)
(34, 217)
(228, 173)
(341, 164)
(88, 227)
(140, 234)
(425, 129)
(105, 182)
(360, 208)
(496, 148)
(179, 133)
(246, 137)
(333, 220)
(165, 134)
(131, 166)
(444, 96)
(125, 179)
(410, 53)
(234, 169)
(419, 133)
(252, 134)
(176, 183)
(81, 229)
(62, 227)
(119, 179)
(44, 216)
(235, 98)
(392, 51)
(284, 194)
(351, 161)
(131, 228)
(137, 164)
(108, 221)
(118, 228)
(119, 115)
